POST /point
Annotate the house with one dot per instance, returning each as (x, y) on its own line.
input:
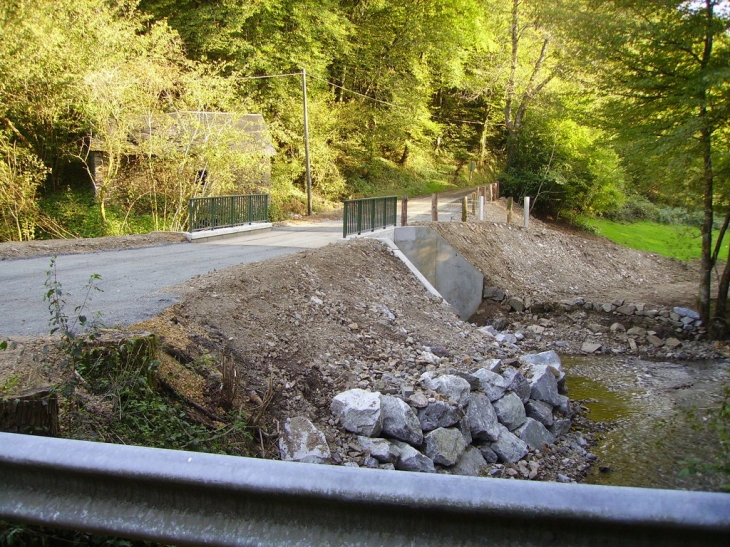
(188, 133)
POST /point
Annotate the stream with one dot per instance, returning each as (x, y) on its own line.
(654, 409)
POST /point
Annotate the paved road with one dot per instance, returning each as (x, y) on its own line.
(135, 282)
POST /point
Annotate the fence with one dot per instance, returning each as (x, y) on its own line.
(191, 498)
(368, 214)
(226, 211)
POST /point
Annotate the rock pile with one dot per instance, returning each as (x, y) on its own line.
(457, 423)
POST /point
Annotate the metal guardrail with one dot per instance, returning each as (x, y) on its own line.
(368, 214)
(190, 498)
(225, 211)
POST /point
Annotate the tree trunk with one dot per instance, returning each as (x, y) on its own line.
(32, 411)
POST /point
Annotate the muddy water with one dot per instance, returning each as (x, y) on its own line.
(649, 405)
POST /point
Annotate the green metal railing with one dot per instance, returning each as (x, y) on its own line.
(227, 211)
(369, 214)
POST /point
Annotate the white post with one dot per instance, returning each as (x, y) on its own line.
(481, 207)
(526, 213)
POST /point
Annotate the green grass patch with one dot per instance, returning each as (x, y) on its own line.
(681, 242)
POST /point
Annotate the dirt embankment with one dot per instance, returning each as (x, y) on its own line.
(302, 328)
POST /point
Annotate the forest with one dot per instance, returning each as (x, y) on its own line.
(617, 108)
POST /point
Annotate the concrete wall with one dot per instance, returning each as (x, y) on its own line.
(452, 275)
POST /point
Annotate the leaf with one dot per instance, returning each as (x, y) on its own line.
(4, 345)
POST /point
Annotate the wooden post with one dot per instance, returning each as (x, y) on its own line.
(496, 191)
(509, 210)
(473, 203)
(526, 213)
(464, 209)
(404, 211)
(491, 192)
(434, 207)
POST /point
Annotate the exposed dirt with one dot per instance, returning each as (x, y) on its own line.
(301, 328)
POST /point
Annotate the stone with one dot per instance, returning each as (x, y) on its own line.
(483, 421)
(464, 426)
(655, 341)
(371, 463)
(510, 411)
(672, 343)
(516, 303)
(540, 411)
(608, 308)
(444, 445)
(518, 383)
(636, 331)
(506, 338)
(560, 428)
(508, 447)
(534, 434)
(302, 442)
(590, 347)
(489, 455)
(492, 365)
(618, 327)
(597, 328)
(381, 449)
(627, 309)
(544, 358)
(491, 383)
(418, 400)
(472, 380)
(453, 387)
(535, 329)
(488, 330)
(439, 414)
(359, 411)
(686, 312)
(399, 421)
(410, 459)
(632, 345)
(544, 385)
(471, 463)
(494, 293)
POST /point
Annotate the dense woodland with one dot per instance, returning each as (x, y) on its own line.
(591, 108)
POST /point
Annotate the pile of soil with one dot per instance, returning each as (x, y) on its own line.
(301, 328)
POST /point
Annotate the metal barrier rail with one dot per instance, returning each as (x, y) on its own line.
(368, 214)
(191, 498)
(225, 211)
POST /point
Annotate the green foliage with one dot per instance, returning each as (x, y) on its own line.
(675, 241)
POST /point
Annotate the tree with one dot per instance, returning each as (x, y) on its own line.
(664, 71)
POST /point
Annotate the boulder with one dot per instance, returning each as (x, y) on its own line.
(560, 428)
(453, 387)
(544, 358)
(381, 449)
(470, 378)
(464, 426)
(543, 384)
(471, 463)
(399, 421)
(483, 420)
(627, 309)
(410, 459)
(444, 445)
(439, 414)
(491, 383)
(489, 455)
(495, 293)
(540, 411)
(590, 347)
(510, 411)
(518, 383)
(534, 434)
(686, 312)
(508, 447)
(359, 411)
(492, 365)
(302, 442)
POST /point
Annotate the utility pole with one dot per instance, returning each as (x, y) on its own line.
(306, 143)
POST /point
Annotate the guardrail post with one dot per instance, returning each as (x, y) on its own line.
(359, 217)
(526, 213)
(481, 207)
(509, 210)
(464, 209)
(434, 207)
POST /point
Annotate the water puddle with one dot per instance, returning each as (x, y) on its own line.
(649, 405)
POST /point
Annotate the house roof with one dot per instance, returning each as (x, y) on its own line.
(247, 133)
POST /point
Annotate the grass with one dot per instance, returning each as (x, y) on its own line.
(681, 242)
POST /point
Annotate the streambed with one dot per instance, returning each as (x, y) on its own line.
(650, 408)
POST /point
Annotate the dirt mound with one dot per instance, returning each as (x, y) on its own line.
(549, 264)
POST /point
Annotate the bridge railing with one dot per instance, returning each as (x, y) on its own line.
(227, 211)
(368, 214)
(189, 498)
